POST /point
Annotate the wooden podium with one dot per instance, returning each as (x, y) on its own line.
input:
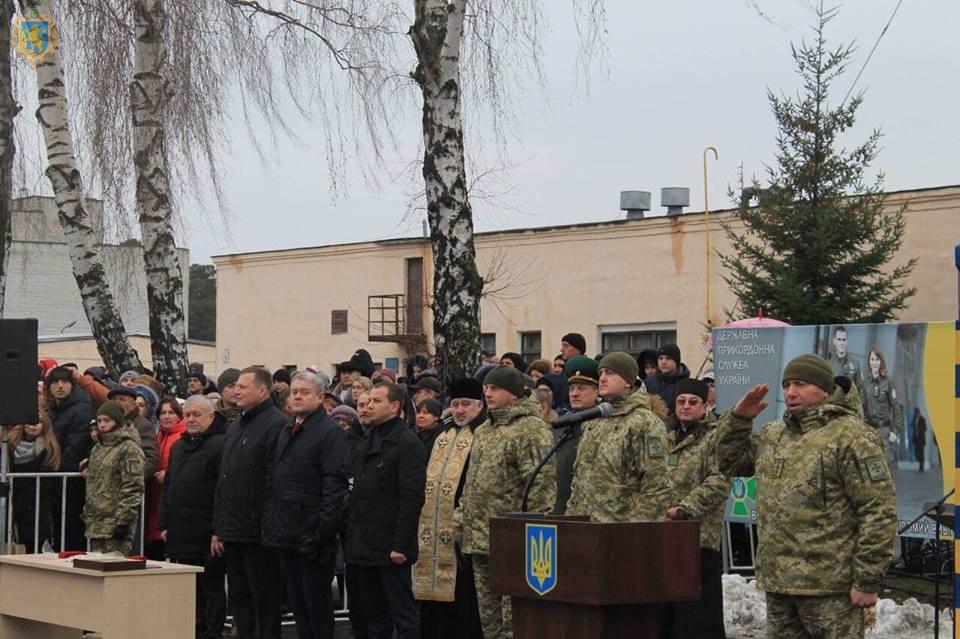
(601, 580)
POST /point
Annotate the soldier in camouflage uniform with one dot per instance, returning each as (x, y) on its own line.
(620, 471)
(825, 502)
(114, 483)
(700, 491)
(506, 449)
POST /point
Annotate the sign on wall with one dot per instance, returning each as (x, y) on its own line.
(905, 376)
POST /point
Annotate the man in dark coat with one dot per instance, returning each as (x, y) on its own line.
(583, 379)
(243, 493)
(71, 413)
(388, 493)
(186, 512)
(309, 495)
(670, 370)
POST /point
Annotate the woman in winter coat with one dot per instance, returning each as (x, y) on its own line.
(170, 418)
(34, 449)
(114, 483)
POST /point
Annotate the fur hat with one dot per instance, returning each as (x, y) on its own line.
(465, 388)
(696, 387)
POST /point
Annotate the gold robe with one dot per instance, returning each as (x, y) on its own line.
(435, 573)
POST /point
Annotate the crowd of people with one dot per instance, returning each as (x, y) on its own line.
(280, 484)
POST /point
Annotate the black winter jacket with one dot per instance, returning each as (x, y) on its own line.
(246, 473)
(189, 486)
(666, 386)
(309, 486)
(71, 419)
(388, 493)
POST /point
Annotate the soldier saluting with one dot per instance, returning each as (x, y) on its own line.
(825, 501)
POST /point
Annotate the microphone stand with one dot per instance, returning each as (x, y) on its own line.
(565, 435)
(938, 509)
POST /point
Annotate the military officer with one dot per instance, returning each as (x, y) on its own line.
(620, 471)
(825, 502)
(506, 449)
(843, 363)
(880, 407)
(583, 377)
(700, 491)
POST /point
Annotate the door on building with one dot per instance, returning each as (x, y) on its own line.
(414, 294)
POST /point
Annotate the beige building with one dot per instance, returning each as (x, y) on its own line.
(623, 284)
(82, 350)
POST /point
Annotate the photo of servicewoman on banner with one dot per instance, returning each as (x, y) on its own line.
(904, 376)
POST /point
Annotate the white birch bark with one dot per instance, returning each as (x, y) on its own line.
(8, 111)
(64, 175)
(437, 36)
(149, 98)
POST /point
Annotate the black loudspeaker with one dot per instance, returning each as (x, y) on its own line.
(18, 372)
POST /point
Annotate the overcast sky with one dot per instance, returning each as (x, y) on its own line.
(681, 76)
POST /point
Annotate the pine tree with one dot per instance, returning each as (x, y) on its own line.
(817, 243)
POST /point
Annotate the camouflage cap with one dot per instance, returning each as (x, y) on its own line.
(582, 369)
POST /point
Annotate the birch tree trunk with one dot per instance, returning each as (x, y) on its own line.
(437, 36)
(64, 175)
(8, 111)
(149, 97)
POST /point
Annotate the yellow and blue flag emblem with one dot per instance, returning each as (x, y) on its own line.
(541, 557)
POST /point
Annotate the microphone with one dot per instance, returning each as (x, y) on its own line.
(570, 419)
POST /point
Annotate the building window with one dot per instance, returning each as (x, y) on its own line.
(338, 322)
(530, 345)
(488, 343)
(635, 341)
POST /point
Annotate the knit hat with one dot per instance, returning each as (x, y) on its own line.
(122, 391)
(622, 364)
(507, 378)
(811, 369)
(582, 369)
(60, 373)
(482, 372)
(710, 377)
(344, 412)
(465, 388)
(576, 340)
(280, 375)
(516, 358)
(151, 398)
(385, 373)
(428, 382)
(46, 365)
(194, 372)
(687, 386)
(227, 377)
(112, 410)
(434, 407)
(670, 350)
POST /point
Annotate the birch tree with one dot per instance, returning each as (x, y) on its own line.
(8, 111)
(437, 34)
(65, 179)
(149, 96)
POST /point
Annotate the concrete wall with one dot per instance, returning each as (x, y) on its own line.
(274, 307)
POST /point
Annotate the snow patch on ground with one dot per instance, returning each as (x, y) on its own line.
(744, 613)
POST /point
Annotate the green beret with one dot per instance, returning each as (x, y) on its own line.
(582, 369)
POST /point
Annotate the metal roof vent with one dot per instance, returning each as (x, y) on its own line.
(674, 198)
(635, 203)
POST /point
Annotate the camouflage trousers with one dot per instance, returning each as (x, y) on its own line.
(813, 617)
(495, 614)
(123, 546)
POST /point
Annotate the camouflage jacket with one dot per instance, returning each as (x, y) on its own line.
(700, 490)
(825, 498)
(620, 472)
(114, 482)
(506, 449)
